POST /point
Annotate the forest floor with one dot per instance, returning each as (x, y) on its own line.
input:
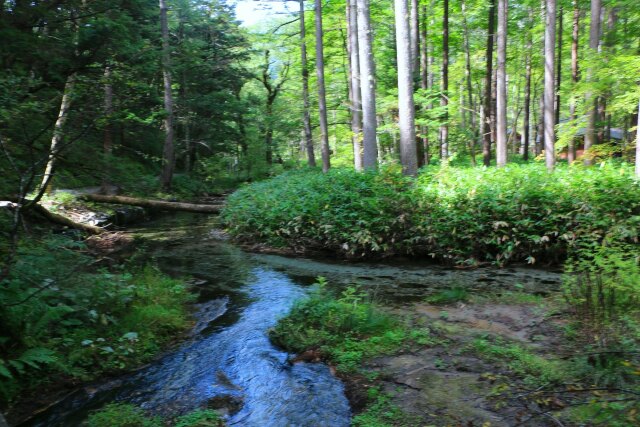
(459, 380)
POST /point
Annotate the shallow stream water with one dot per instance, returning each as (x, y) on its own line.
(228, 361)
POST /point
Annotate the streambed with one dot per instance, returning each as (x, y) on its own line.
(227, 362)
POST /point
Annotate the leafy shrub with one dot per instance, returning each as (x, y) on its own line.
(345, 330)
(59, 316)
(455, 215)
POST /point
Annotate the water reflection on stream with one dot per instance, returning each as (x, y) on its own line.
(228, 359)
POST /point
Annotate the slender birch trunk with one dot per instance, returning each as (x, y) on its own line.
(58, 132)
(306, 115)
(107, 141)
(487, 125)
(559, 65)
(527, 102)
(354, 82)
(406, 110)
(590, 101)
(424, 84)
(322, 97)
(444, 102)
(168, 154)
(501, 86)
(571, 150)
(367, 86)
(549, 86)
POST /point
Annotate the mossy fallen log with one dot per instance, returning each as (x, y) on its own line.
(156, 204)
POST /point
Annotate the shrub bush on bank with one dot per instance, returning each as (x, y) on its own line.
(61, 318)
(520, 213)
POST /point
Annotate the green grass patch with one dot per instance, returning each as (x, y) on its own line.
(126, 415)
(346, 329)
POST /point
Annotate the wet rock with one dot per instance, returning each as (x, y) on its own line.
(226, 404)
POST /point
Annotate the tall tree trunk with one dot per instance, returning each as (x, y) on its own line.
(354, 83)
(58, 132)
(467, 74)
(424, 84)
(487, 125)
(444, 102)
(559, 65)
(501, 86)
(168, 154)
(414, 35)
(638, 143)
(406, 110)
(575, 37)
(549, 86)
(590, 101)
(322, 97)
(107, 138)
(367, 86)
(527, 101)
(306, 115)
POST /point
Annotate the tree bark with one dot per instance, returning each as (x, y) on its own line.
(487, 125)
(559, 65)
(501, 86)
(306, 115)
(444, 101)
(107, 142)
(406, 109)
(575, 37)
(367, 86)
(414, 36)
(168, 154)
(322, 97)
(590, 100)
(354, 82)
(638, 143)
(467, 75)
(549, 86)
(527, 102)
(424, 84)
(58, 132)
(157, 204)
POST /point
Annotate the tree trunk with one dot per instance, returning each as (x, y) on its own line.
(306, 116)
(168, 154)
(638, 143)
(590, 100)
(414, 36)
(487, 125)
(559, 66)
(107, 142)
(575, 37)
(354, 83)
(467, 75)
(406, 110)
(527, 102)
(367, 86)
(501, 86)
(322, 97)
(549, 85)
(157, 204)
(58, 133)
(444, 102)
(424, 84)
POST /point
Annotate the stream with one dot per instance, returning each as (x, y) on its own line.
(227, 361)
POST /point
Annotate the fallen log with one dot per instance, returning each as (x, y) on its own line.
(157, 204)
(51, 216)
(63, 220)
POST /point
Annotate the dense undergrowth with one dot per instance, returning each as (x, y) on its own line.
(519, 213)
(64, 318)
